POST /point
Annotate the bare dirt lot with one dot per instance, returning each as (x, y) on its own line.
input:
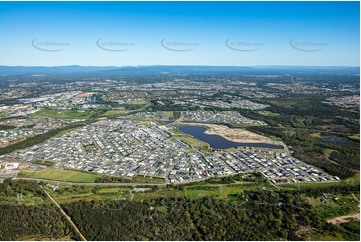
(343, 219)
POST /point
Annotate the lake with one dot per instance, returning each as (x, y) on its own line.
(218, 142)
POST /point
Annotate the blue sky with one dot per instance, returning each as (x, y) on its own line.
(180, 33)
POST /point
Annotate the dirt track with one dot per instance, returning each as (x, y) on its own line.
(343, 219)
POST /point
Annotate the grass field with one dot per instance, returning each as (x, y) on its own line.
(90, 148)
(167, 113)
(269, 113)
(295, 186)
(316, 135)
(196, 190)
(177, 132)
(342, 206)
(27, 199)
(39, 238)
(355, 180)
(138, 102)
(221, 190)
(193, 142)
(188, 139)
(147, 179)
(312, 235)
(114, 111)
(354, 137)
(60, 175)
(63, 114)
(327, 152)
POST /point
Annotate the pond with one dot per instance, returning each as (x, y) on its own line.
(218, 142)
(94, 99)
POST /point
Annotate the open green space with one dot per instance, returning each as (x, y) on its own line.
(196, 143)
(355, 137)
(113, 112)
(355, 180)
(138, 102)
(68, 194)
(269, 113)
(64, 114)
(316, 135)
(190, 140)
(334, 205)
(60, 175)
(215, 188)
(341, 234)
(42, 238)
(167, 113)
(90, 148)
(148, 179)
(23, 198)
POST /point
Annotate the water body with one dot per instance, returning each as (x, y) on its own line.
(22, 100)
(218, 142)
(94, 99)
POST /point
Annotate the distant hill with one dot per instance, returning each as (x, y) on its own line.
(126, 70)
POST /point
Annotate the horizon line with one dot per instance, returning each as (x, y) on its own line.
(74, 65)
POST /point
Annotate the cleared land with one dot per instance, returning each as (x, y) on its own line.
(114, 111)
(345, 219)
(269, 113)
(63, 114)
(138, 102)
(68, 194)
(60, 175)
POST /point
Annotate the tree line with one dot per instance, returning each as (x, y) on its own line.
(253, 215)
